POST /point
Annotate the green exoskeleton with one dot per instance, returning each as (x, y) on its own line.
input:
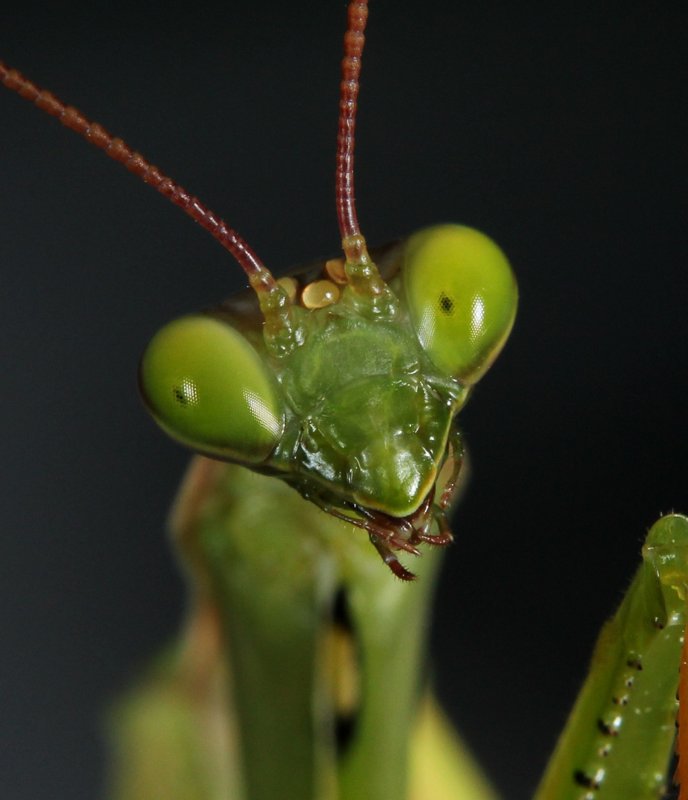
(300, 673)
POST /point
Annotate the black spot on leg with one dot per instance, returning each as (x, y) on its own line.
(607, 729)
(585, 780)
(634, 662)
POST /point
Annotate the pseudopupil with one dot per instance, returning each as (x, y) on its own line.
(446, 304)
(186, 393)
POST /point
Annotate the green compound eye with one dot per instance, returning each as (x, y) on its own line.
(207, 387)
(462, 298)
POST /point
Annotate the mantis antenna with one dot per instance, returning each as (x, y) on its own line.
(259, 276)
(360, 270)
(348, 103)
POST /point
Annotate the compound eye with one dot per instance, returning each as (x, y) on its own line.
(462, 298)
(207, 387)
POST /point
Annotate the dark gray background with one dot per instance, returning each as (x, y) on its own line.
(559, 130)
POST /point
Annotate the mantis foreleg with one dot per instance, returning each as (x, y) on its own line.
(618, 740)
(265, 618)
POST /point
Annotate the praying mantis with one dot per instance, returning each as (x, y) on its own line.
(598, 515)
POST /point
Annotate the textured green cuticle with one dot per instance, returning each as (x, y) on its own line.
(369, 412)
(666, 552)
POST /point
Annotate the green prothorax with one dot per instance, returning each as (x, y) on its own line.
(356, 412)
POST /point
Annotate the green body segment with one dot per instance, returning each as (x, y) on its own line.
(270, 584)
(618, 741)
(268, 567)
(275, 564)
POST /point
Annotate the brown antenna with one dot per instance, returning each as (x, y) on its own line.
(361, 271)
(354, 40)
(259, 276)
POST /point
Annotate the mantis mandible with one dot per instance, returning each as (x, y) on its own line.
(595, 515)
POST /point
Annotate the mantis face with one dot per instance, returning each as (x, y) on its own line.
(356, 412)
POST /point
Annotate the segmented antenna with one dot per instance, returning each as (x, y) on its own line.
(361, 271)
(259, 276)
(354, 40)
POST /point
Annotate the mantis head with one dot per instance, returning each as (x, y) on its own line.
(344, 382)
